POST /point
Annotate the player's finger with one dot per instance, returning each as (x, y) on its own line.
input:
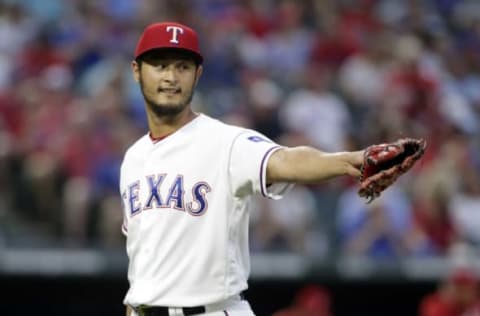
(353, 171)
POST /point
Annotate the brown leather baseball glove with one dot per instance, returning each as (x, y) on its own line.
(384, 163)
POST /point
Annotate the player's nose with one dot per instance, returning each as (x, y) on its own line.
(169, 75)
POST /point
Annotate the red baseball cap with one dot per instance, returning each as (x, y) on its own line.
(169, 35)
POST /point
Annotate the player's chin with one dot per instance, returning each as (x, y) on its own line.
(172, 103)
(168, 109)
(171, 100)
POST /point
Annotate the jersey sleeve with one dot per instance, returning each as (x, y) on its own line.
(249, 157)
(125, 227)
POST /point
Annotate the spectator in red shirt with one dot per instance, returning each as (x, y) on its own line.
(312, 300)
(454, 297)
(432, 217)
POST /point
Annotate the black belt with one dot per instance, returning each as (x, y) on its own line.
(163, 311)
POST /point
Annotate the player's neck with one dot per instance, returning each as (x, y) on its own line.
(165, 125)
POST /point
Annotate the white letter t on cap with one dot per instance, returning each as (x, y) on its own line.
(175, 30)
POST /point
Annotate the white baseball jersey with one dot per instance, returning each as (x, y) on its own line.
(186, 217)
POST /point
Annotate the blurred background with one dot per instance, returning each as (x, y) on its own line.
(337, 75)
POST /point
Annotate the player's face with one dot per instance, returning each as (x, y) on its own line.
(167, 82)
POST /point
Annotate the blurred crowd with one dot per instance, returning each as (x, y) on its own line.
(456, 294)
(337, 75)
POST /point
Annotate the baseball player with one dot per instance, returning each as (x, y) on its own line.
(186, 184)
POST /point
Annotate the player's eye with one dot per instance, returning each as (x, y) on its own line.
(183, 66)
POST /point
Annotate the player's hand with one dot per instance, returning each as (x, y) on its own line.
(355, 162)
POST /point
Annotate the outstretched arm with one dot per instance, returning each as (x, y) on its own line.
(308, 165)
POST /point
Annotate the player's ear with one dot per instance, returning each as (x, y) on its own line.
(136, 70)
(198, 73)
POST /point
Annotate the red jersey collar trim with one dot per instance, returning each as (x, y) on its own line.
(157, 139)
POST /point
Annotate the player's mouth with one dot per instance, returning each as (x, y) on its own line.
(170, 91)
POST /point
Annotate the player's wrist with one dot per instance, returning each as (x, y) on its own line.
(356, 157)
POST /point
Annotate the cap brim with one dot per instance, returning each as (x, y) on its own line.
(180, 52)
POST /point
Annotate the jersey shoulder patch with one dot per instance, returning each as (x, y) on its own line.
(257, 139)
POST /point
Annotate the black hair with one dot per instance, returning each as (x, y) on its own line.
(171, 52)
